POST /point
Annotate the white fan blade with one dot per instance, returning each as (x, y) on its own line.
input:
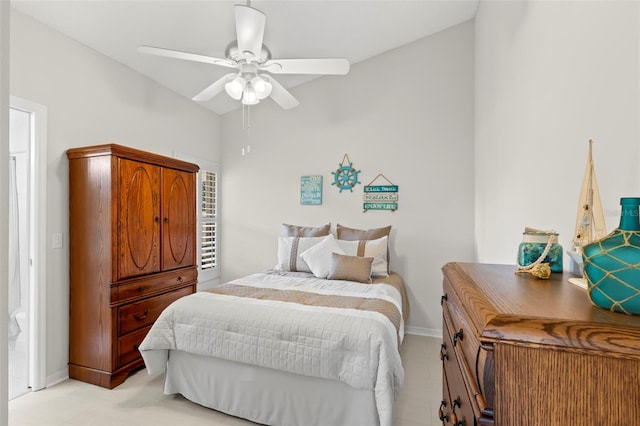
(214, 89)
(282, 96)
(250, 24)
(177, 54)
(333, 66)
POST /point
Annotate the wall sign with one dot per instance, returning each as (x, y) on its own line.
(345, 176)
(311, 190)
(380, 197)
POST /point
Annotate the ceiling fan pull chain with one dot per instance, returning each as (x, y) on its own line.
(246, 128)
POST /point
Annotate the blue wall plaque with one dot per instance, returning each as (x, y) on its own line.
(311, 190)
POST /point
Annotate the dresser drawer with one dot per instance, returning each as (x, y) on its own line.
(143, 286)
(128, 346)
(462, 332)
(460, 407)
(136, 315)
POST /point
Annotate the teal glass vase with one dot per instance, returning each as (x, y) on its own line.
(612, 264)
(533, 246)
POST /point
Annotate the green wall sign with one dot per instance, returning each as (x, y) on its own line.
(380, 197)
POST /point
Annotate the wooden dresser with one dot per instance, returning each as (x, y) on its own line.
(132, 233)
(518, 351)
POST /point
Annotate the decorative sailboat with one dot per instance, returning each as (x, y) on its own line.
(590, 224)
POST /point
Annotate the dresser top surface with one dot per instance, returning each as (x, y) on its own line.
(505, 305)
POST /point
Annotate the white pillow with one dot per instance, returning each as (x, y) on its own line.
(370, 248)
(290, 249)
(318, 257)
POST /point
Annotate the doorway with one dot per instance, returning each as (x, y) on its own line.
(27, 189)
(19, 285)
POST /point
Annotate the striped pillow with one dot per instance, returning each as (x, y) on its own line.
(377, 249)
(290, 249)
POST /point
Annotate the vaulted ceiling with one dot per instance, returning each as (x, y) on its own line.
(356, 30)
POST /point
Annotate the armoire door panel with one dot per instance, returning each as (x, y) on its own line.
(178, 219)
(139, 219)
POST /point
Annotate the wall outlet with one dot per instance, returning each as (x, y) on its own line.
(56, 240)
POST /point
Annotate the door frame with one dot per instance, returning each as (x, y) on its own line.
(38, 240)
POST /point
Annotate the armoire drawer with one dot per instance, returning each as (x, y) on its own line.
(142, 286)
(140, 314)
(128, 346)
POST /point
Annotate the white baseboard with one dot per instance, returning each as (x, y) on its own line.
(422, 331)
(57, 377)
(205, 285)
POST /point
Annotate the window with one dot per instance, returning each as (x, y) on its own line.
(208, 220)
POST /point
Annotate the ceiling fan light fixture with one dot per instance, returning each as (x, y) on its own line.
(235, 87)
(249, 96)
(262, 86)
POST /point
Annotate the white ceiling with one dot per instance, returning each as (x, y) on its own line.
(355, 30)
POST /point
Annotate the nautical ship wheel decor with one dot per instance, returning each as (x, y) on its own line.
(345, 176)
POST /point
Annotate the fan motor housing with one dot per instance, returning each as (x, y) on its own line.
(232, 52)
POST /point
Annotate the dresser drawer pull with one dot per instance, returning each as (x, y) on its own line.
(454, 416)
(180, 279)
(458, 335)
(443, 298)
(441, 415)
(443, 352)
(457, 402)
(143, 316)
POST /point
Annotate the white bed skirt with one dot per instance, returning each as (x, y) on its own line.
(268, 396)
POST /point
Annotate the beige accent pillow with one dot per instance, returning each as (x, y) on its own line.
(305, 231)
(350, 268)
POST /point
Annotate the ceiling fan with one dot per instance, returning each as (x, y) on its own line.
(252, 78)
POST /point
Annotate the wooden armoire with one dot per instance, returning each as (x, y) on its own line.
(132, 251)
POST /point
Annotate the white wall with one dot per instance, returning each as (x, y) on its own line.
(4, 210)
(91, 100)
(408, 114)
(550, 76)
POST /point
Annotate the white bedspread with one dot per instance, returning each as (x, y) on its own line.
(356, 347)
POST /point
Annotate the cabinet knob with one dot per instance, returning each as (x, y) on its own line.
(443, 352)
(180, 279)
(156, 219)
(166, 220)
(458, 335)
(441, 414)
(143, 316)
(443, 298)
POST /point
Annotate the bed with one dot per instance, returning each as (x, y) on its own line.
(311, 342)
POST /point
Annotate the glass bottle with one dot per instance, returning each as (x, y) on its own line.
(612, 264)
(533, 245)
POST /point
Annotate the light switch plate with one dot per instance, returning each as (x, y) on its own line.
(56, 240)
